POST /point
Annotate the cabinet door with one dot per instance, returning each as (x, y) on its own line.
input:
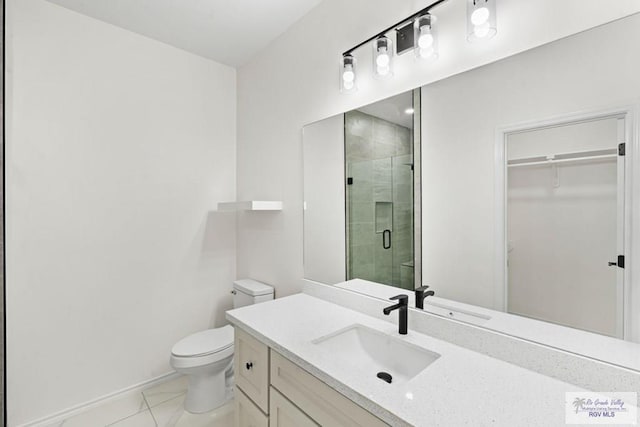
(251, 368)
(323, 404)
(286, 414)
(247, 414)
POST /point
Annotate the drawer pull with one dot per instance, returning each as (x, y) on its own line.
(249, 365)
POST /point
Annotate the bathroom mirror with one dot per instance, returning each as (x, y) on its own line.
(529, 212)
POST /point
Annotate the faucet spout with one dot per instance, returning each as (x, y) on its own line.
(402, 307)
(421, 294)
(388, 310)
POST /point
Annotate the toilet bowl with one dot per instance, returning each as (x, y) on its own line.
(206, 357)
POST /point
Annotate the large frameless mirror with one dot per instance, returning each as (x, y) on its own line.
(525, 214)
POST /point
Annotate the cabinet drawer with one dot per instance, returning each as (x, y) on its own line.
(324, 405)
(247, 414)
(251, 368)
(286, 414)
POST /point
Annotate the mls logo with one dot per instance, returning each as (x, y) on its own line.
(601, 408)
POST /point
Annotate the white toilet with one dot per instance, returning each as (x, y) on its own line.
(206, 357)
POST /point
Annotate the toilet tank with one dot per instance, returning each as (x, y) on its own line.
(249, 291)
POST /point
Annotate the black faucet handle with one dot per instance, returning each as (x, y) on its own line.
(422, 288)
(402, 298)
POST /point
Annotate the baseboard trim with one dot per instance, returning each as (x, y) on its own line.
(75, 410)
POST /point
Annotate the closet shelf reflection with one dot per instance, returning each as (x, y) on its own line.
(580, 156)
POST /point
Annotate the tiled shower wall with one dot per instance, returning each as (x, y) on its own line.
(379, 160)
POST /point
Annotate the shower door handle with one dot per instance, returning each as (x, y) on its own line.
(386, 239)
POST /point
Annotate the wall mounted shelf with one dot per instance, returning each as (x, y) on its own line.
(251, 205)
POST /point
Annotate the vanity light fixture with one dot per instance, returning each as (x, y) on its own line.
(425, 37)
(481, 20)
(418, 32)
(409, 111)
(348, 82)
(383, 57)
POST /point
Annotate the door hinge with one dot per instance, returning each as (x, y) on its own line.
(621, 149)
(350, 181)
(621, 261)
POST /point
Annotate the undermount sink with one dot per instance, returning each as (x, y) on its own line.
(377, 353)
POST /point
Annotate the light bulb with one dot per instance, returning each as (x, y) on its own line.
(480, 16)
(383, 60)
(425, 34)
(425, 40)
(348, 76)
(409, 111)
(383, 57)
(481, 20)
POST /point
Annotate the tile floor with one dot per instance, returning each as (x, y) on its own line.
(159, 406)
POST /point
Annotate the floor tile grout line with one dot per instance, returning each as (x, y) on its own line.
(149, 408)
(131, 416)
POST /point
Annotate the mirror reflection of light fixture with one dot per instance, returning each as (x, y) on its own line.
(481, 20)
(383, 57)
(348, 77)
(425, 37)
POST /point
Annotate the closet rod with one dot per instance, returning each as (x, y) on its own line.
(556, 161)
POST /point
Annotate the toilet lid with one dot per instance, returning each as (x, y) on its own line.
(205, 342)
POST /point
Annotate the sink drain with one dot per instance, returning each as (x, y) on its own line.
(385, 376)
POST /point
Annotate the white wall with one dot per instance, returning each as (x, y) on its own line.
(295, 82)
(324, 203)
(118, 147)
(460, 118)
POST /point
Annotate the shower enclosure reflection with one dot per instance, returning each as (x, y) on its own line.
(360, 177)
(379, 191)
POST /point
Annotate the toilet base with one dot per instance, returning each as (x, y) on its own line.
(205, 393)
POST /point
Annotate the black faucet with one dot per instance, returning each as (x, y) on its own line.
(402, 305)
(421, 295)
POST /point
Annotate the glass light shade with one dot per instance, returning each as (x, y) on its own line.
(425, 36)
(481, 20)
(348, 76)
(383, 57)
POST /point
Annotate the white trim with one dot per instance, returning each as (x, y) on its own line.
(632, 224)
(621, 226)
(83, 407)
(632, 303)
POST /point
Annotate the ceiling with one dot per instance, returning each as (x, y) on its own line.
(227, 31)
(392, 109)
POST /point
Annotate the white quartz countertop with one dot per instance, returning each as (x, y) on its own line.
(460, 388)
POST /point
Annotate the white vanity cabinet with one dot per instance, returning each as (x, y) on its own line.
(273, 391)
